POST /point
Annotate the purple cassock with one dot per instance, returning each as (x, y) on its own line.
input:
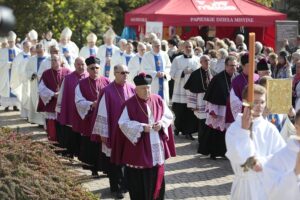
(52, 80)
(238, 84)
(115, 96)
(68, 114)
(124, 152)
(91, 90)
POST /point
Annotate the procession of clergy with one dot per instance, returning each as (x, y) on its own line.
(109, 106)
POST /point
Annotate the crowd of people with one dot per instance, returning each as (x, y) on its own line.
(110, 105)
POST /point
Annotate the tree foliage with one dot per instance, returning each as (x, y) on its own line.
(118, 8)
(267, 3)
(81, 16)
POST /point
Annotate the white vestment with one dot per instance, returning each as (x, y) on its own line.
(120, 61)
(134, 67)
(133, 131)
(5, 69)
(46, 64)
(148, 65)
(218, 66)
(101, 54)
(83, 106)
(71, 47)
(32, 68)
(235, 104)
(179, 64)
(19, 83)
(47, 44)
(85, 51)
(266, 142)
(280, 180)
(46, 95)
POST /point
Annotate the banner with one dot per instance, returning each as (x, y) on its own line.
(286, 30)
(154, 27)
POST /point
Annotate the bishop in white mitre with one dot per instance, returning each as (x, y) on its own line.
(67, 48)
(91, 49)
(106, 52)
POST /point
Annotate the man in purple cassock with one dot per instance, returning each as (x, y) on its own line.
(66, 108)
(234, 104)
(48, 89)
(87, 94)
(112, 99)
(144, 140)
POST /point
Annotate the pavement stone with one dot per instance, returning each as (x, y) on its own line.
(188, 176)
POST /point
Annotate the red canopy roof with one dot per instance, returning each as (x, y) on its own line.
(204, 12)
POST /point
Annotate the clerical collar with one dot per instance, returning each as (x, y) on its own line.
(125, 54)
(119, 85)
(187, 56)
(156, 54)
(108, 46)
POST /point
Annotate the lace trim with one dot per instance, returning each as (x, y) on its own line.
(132, 131)
(157, 154)
(218, 110)
(50, 115)
(101, 126)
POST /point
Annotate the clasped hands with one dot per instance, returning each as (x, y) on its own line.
(156, 127)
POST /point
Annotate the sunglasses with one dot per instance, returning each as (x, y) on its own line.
(123, 73)
(93, 68)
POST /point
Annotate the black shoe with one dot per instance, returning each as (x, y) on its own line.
(213, 157)
(15, 108)
(119, 195)
(189, 137)
(6, 109)
(40, 126)
(95, 173)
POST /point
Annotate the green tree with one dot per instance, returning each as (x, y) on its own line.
(118, 8)
(267, 3)
(80, 16)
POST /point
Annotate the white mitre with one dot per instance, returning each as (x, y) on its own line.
(33, 35)
(11, 36)
(91, 37)
(109, 33)
(66, 33)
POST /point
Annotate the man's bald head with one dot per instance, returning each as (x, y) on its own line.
(80, 65)
(121, 73)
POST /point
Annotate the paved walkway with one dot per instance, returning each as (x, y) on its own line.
(188, 176)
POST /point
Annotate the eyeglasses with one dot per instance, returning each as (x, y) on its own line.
(123, 72)
(93, 68)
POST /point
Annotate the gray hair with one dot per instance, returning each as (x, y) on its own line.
(258, 46)
(230, 58)
(223, 52)
(116, 67)
(40, 46)
(242, 37)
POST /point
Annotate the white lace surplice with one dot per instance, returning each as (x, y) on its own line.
(101, 125)
(133, 130)
(82, 105)
(46, 95)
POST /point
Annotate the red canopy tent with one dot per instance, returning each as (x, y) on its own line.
(225, 15)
